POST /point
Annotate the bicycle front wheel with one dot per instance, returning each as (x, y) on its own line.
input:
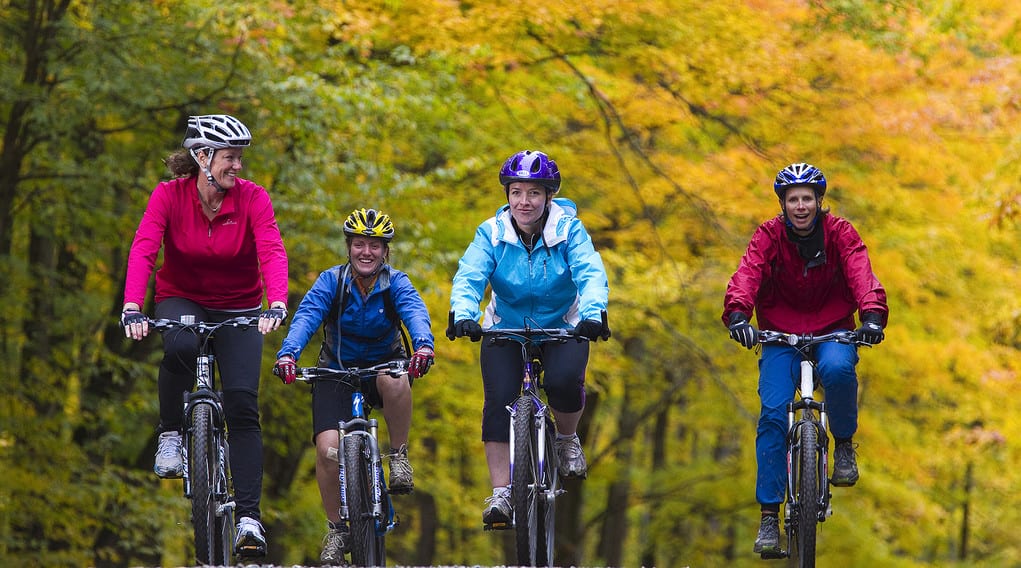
(526, 488)
(807, 485)
(367, 544)
(203, 464)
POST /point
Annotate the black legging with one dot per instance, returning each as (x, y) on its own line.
(563, 376)
(238, 359)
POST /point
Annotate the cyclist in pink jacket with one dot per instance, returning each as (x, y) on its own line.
(805, 271)
(222, 252)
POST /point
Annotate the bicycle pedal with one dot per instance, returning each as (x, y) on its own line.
(773, 555)
(250, 552)
(497, 526)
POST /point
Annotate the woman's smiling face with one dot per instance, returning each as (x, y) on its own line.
(801, 207)
(528, 202)
(367, 254)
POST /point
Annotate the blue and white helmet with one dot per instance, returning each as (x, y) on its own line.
(800, 174)
(216, 131)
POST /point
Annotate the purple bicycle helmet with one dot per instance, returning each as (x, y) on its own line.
(529, 165)
(800, 174)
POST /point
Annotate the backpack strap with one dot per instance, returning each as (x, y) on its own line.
(389, 308)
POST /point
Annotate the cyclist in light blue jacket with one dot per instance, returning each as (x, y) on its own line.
(544, 272)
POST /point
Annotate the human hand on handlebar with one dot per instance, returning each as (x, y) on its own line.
(871, 330)
(468, 328)
(590, 329)
(135, 324)
(272, 318)
(421, 361)
(286, 369)
(742, 331)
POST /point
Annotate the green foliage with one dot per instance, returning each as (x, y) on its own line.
(668, 119)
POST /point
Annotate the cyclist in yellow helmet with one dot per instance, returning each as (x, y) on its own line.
(360, 306)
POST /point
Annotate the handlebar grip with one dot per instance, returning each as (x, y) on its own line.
(450, 326)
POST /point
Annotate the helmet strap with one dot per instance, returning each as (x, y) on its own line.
(205, 169)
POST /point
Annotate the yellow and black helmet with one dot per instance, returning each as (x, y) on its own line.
(369, 223)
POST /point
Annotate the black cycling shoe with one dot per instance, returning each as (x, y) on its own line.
(845, 468)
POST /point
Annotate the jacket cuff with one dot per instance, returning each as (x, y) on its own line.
(872, 317)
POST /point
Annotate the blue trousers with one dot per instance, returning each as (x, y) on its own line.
(779, 375)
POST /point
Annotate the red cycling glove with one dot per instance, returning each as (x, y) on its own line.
(420, 362)
(286, 369)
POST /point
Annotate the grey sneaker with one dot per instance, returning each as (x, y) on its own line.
(845, 468)
(498, 507)
(169, 462)
(400, 472)
(571, 456)
(251, 538)
(335, 544)
(768, 539)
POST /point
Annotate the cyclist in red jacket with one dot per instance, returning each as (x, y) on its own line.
(805, 271)
(221, 247)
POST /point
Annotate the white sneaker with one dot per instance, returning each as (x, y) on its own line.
(251, 540)
(169, 462)
(572, 457)
(498, 507)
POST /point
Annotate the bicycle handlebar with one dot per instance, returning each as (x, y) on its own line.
(164, 324)
(807, 339)
(521, 335)
(394, 368)
(532, 335)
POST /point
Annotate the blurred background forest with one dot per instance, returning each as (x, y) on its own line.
(668, 118)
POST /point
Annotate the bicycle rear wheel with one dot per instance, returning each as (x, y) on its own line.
(807, 485)
(526, 488)
(203, 463)
(367, 545)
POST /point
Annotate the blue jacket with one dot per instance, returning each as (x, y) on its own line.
(561, 282)
(364, 333)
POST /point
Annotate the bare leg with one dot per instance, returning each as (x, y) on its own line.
(328, 473)
(567, 422)
(397, 406)
(498, 459)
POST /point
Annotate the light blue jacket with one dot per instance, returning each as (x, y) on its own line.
(561, 282)
(362, 334)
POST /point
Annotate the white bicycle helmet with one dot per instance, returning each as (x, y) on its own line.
(216, 131)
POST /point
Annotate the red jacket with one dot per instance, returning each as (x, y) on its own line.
(787, 296)
(223, 264)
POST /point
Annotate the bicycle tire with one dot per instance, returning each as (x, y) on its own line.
(525, 483)
(202, 466)
(366, 544)
(807, 471)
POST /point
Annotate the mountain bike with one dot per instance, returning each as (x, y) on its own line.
(535, 471)
(207, 480)
(808, 494)
(365, 502)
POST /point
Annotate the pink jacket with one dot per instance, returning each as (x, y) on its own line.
(223, 264)
(773, 279)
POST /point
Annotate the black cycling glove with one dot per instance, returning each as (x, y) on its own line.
(742, 331)
(589, 329)
(468, 328)
(871, 330)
